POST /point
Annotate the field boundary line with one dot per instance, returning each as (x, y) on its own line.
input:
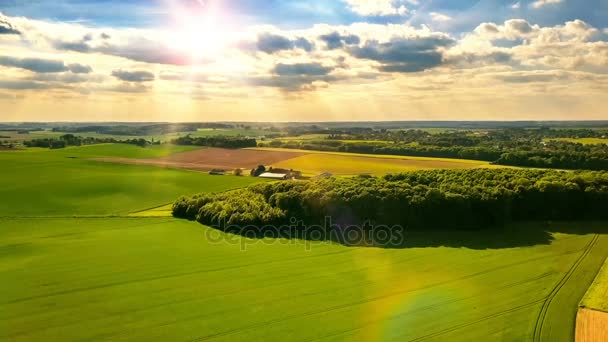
(540, 320)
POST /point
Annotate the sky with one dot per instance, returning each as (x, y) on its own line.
(303, 60)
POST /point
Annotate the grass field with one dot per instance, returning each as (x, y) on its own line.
(14, 136)
(42, 182)
(162, 279)
(87, 252)
(597, 296)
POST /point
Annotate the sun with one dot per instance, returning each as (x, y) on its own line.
(200, 34)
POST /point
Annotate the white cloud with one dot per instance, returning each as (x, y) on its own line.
(542, 3)
(439, 17)
(378, 7)
(516, 5)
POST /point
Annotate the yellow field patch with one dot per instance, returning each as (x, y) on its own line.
(352, 164)
(164, 211)
(584, 141)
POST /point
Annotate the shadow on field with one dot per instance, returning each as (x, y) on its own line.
(509, 236)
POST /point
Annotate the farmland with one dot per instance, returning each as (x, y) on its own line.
(88, 251)
(66, 182)
(309, 162)
(129, 283)
(342, 164)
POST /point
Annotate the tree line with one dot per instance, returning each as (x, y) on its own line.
(72, 140)
(437, 199)
(216, 141)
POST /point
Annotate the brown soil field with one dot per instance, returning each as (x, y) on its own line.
(591, 326)
(213, 158)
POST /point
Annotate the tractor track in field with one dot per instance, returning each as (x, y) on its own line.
(385, 296)
(430, 307)
(540, 320)
(485, 318)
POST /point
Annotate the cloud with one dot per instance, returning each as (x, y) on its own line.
(311, 69)
(271, 43)
(134, 75)
(439, 17)
(68, 78)
(411, 54)
(377, 7)
(22, 85)
(34, 64)
(543, 3)
(533, 76)
(6, 27)
(72, 46)
(335, 40)
(80, 69)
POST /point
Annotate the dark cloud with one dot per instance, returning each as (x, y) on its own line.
(291, 83)
(34, 64)
(335, 40)
(272, 43)
(6, 27)
(404, 54)
(134, 76)
(310, 69)
(105, 36)
(297, 77)
(304, 44)
(73, 46)
(80, 69)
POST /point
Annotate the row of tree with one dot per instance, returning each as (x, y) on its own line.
(438, 199)
(72, 140)
(216, 141)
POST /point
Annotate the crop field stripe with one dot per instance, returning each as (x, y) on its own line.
(543, 312)
(485, 318)
(430, 307)
(397, 293)
(389, 295)
(166, 276)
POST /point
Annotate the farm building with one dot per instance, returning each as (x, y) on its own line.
(278, 176)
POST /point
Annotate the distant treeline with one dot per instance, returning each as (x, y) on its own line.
(216, 141)
(72, 140)
(439, 199)
(139, 130)
(514, 147)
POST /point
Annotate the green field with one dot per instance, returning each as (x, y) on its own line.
(162, 279)
(87, 252)
(596, 297)
(41, 182)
